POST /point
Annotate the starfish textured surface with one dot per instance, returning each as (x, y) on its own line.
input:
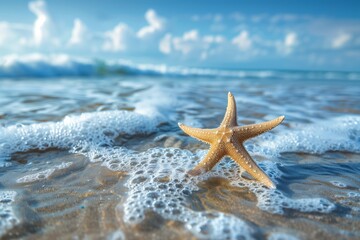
(227, 140)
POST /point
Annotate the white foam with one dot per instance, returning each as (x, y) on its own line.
(281, 236)
(158, 181)
(272, 200)
(220, 226)
(335, 134)
(43, 175)
(158, 101)
(8, 218)
(153, 106)
(353, 194)
(116, 235)
(338, 184)
(99, 128)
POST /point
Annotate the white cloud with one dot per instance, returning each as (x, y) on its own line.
(165, 44)
(155, 22)
(340, 40)
(242, 41)
(290, 40)
(213, 39)
(41, 26)
(78, 33)
(191, 35)
(191, 44)
(288, 44)
(187, 42)
(116, 40)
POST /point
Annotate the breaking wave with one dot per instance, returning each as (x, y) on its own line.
(45, 66)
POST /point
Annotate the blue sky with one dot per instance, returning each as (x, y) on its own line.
(315, 35)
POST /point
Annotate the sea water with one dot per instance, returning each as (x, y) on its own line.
(103, 157)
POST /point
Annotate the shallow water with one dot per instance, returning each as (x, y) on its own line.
(104, 158)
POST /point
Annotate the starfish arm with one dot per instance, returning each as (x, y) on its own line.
(239, 154)
(214, 155)
(230, 118)
(204, 135)
(253, 130)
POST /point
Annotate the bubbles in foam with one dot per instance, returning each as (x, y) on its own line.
(281, 236)
(158, 182)
(116, 235)
(354, 194)
(7, 216)
(274, 201)
(99, 128)
(43, 175)
(337, 134)
(220, 226)
(338, 184)
(153, 106)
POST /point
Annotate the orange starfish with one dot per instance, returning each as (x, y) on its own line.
(227, 140)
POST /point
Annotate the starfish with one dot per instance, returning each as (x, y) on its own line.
(227, 140)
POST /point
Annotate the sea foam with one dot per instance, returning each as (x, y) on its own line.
(8, 219)
(157, 177)
(43, 175)
(335, 134)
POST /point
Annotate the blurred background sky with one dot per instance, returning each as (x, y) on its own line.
(308, 35)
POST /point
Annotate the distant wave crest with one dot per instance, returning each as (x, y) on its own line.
(47, 66)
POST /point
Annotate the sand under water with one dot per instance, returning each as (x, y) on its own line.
(103, 158)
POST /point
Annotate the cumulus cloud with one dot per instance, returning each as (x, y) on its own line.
(165, 44)
(116, 40)
(42, 23)
(242, 41)
(214, 39)
(191, 44)
(155, 24)
(78, 33)
(19, 35)
(340, 40)
(288, 44)
(290, 39)
(191, 35)
(187, 42)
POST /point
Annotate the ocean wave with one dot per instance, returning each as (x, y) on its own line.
(51, 66)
